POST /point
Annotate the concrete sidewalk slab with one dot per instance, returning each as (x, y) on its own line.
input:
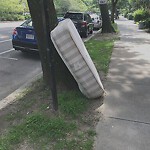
(126, 110)
(114, 134)
(127, 101)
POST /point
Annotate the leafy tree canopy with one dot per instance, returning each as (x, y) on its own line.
(11, 6)
(76, 5)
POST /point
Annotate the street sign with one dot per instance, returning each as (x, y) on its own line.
(102, 2)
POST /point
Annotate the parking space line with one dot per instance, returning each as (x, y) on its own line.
(7, 51)
(8, 58)
(5, 41)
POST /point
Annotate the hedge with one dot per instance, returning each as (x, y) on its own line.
(140, 15)
(11, 17)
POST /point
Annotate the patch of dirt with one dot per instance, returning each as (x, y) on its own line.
(24, 146)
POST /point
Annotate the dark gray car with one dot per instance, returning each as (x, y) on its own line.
(82, 21)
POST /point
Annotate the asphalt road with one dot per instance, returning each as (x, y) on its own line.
(16, 68)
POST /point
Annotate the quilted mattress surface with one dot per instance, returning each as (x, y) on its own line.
(72, 50)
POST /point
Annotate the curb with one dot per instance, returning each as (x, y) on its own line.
(13, 96)
(87, 39)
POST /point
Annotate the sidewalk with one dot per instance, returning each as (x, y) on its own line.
(126, 110)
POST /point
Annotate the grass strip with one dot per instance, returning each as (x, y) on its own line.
(100, 52)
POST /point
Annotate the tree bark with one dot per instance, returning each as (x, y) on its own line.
(37, 19)
(106, 23)
(40, 21)
(112, 12)
(63, 75)
(113, 3)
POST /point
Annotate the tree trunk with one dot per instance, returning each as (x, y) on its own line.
(63, 75)
(41, 21)
(106, 23)
(112, 12)
(37, 19)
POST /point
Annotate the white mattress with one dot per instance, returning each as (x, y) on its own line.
(72, 50)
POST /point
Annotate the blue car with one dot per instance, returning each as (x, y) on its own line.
(24, 38)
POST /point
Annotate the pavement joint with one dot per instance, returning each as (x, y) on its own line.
(135, 121)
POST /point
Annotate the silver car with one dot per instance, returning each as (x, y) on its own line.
(97, 21)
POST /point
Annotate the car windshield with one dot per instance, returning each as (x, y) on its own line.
(27, 23)
(74, 16)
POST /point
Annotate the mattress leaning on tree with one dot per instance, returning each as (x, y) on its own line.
(72, 50)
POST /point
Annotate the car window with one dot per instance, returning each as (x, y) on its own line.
(89, 18)
(85, 17)
(27, 23)
(74, 16)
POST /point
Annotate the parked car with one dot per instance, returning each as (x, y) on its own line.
(24, 38)
(82, 21)
(97, 21)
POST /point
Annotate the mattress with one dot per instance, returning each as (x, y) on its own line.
(73, 52)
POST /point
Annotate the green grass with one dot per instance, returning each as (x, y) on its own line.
(42, 131)
(100, 52)
(72, 103)
(34, 128)
(115, 26)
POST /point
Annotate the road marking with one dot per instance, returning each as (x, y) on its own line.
(7, 51)
(8, 58)
(5, 41)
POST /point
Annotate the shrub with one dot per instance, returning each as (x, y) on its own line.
(140, 15)
(147, 23)
(130, 16)
(126, 14)
(27, 16)
(11, 17)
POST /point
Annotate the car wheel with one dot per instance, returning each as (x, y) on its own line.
(85, 34)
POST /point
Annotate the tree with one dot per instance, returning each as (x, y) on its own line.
(62, 6)
(106, 25)
(45, 44)
(7, 11)
(70, 5)
(9, 5)
(113, 11)
(137, 4)
(123, 4)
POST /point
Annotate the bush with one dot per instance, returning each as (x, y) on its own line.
(11, 17)
(27, 16)
(130, 16)
(147, 23)
(126, 14)
(140, 15)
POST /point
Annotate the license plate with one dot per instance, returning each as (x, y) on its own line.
(30, 36)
